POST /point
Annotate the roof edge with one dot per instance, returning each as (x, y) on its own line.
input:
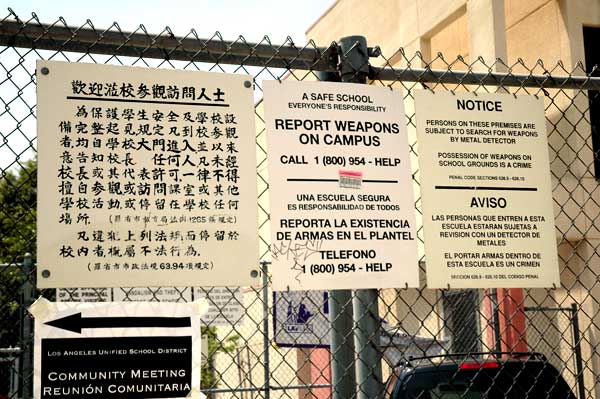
(327, 11)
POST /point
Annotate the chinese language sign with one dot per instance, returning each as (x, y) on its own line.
(342, 204)
(147, 177)
(486, 191)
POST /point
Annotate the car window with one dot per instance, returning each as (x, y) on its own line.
(510, 382)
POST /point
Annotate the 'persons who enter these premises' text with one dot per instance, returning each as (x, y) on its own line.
(494, 225)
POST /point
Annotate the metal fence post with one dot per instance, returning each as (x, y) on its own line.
(354, 68)
(26, 331)
(577, 350)
(497, 332)
(266, 343)
(366, 340)
(343, 378)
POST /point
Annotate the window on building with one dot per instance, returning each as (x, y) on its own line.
(461, 315)
(591, 38)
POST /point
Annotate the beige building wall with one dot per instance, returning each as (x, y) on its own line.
(244, 367)
(455, 34)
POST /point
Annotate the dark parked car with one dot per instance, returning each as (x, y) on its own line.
(478, 376)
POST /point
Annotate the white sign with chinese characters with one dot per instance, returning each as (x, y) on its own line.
(341, 195)
(148, 177)
(486, 191)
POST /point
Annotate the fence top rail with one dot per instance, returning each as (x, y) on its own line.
(191, 48)
(470, 77)
(166, 46)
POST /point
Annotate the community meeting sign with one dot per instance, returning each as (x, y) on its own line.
(110, 350)
(341, 196)
(486, 191)
(147, 176)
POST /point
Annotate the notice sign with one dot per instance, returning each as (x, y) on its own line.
(225, 305)
(134, 351)
(148, 177)
(486, 191)
(342, 204)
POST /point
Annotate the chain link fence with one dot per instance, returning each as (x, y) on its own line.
(246, 358)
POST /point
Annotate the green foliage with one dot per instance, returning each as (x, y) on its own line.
(17, 236)
(18, 195)
(228, 345)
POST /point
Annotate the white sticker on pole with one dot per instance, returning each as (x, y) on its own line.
(148, 175)
(125, 350)
(341, 196)
(486, 191)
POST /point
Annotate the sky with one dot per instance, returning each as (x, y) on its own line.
(251, 18)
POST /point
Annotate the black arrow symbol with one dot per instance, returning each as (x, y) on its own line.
(75, 322)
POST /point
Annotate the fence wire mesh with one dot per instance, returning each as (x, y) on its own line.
(245, 357)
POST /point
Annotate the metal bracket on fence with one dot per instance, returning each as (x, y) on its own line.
(354, 59)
